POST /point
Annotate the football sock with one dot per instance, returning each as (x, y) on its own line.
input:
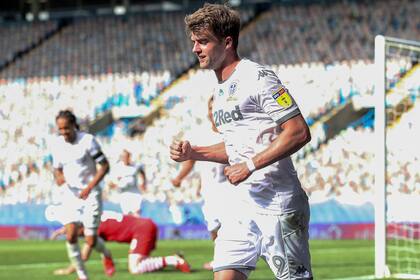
(100, 247)
(151, 264)
(73, 251)
(171, 260)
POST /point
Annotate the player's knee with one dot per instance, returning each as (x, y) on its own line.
(91, 240)
(71, 238)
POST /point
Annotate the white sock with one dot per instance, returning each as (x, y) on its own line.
(151, 264)
(73, 252)
(172, 260)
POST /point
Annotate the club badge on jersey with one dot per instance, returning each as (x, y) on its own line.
(283, 98)
(232, 89)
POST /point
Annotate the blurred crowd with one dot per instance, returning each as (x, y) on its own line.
(323, 54)
(342, 30)
(147, 42)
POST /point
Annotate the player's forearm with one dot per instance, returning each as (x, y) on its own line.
(100, 174)
(289, 141)
(186, 168)
(215, 153)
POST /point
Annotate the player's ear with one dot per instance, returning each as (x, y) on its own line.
(228, 42)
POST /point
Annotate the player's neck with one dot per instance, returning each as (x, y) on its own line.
(227, 68)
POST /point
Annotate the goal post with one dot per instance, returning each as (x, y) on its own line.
(380, 162)
(397, 234)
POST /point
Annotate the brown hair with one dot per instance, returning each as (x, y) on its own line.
(219, 19)
(69, 116)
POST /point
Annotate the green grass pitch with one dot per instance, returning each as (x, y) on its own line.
(32, 260)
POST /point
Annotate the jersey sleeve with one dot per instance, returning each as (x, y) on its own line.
(274, 98)
(95, 151)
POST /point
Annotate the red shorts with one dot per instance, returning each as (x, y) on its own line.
(144, 240)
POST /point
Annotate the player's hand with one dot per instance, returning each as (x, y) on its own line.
(237, 173)
(180, 150)
(85, 193)
(176, 182)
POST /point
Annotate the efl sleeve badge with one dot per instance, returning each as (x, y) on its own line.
(283, 98)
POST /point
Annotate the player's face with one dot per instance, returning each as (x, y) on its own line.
(66, 129)
(125, 157)
(209, 50)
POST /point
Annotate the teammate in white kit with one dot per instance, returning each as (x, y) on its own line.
(125, 179)
(75, 158)
(214, 185)
(261, 127)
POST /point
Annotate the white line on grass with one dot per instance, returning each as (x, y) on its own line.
(356, 278)
(340, 250)
(50, 264)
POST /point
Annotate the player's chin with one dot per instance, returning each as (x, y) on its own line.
(204, 64)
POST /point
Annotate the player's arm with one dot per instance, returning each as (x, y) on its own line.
(182, 151)
(59, 176)
(102, 170)
(186, 168)
(295, 134)
(102, 167)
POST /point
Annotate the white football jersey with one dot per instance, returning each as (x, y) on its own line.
(78, 160)
(126, 177)
(211, 173)
(248, 108)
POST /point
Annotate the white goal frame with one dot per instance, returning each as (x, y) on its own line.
(381, 43)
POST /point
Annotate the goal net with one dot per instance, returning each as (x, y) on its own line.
(397, 178)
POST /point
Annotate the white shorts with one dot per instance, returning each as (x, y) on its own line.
(214, 196)
(88, 211)
(281, 240)
(212, 222)
(130, 202)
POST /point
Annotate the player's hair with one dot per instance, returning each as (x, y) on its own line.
(219, 19)
(68, 115)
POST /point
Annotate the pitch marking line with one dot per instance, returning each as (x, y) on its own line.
(50, 264)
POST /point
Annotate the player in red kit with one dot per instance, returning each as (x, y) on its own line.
(141, 233)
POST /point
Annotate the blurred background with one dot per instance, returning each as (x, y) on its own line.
(126, 70)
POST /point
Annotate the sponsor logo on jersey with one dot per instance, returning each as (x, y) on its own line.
(283, 98)
(221, 92)
(223, 117)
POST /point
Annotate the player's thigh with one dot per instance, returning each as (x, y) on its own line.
(92, 211)
(285, 245)
(144, 241)
(236, 247)
(231, 274)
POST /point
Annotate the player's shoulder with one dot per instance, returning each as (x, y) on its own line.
(85, 138)
(257, 72)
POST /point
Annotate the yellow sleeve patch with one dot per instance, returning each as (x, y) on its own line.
(283, 98)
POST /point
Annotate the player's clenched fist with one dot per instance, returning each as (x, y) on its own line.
(180, 150)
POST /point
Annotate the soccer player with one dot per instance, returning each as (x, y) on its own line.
(125, 179)
(214, 185)
(261, 126)
(141, 234)
(79, 167)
